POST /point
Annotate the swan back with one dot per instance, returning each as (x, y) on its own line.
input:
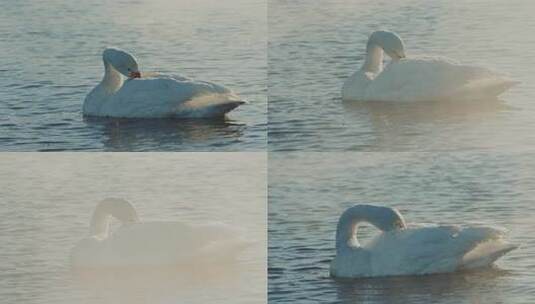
(426, 249)
(116, 207)
(384, 218)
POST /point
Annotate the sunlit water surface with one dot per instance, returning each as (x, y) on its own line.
(51, 58)
(46, 201)
(308, 192)
(314, 46)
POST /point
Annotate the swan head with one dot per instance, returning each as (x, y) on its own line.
(384, 218)
(390, 42)
(390, 220)
(116, 207)
(123, 62)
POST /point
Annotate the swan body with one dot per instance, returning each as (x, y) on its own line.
(411, 250)
(417, 79)
(141, 244)
(153, 95)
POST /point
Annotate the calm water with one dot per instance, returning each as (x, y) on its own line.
(51, 58)
(308, 192)
(46, 201)
(314, 46)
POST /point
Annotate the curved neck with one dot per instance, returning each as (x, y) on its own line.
(100, 224)
(374, 58)
(346, 230)
(118, 208)
(112, 80)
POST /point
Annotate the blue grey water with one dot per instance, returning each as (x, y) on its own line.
(315, 45)
(48, 198)
(309, 191)
(51, 58)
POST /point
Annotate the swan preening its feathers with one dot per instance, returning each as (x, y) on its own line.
(148, 244)
(411, 250)
(153, 95)
(417, 79)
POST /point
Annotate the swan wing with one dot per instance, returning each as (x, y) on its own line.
(156, 243)
(427, 79)
(431, 249)
(165, 97)
(178, 77)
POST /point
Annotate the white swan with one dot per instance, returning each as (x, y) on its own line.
(418, 79)
(140, 244)
(154, 96)
(402, 250)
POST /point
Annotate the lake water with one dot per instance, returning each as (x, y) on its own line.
(314, 46)
(52, 57)
(309, 191)
(46, 202)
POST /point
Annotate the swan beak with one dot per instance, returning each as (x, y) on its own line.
(136, 74)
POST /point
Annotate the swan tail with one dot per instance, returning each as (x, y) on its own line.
(482, 88)
(485, 254)
(209, 106)
(225, 251)
(487, 245)
(226, 107)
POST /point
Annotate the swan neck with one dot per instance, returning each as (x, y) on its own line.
(346, 230)
(100, 223)
(373, 62)
(112, 80)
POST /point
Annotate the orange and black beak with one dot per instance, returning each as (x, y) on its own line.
(136, 74)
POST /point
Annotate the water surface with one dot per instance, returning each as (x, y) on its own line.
(309, 191)
(315, 46)
(51, 58)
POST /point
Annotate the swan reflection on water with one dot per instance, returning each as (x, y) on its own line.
(406, 125)
(461, 287)
(406, 113)
(190, 284)
(167, 134)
